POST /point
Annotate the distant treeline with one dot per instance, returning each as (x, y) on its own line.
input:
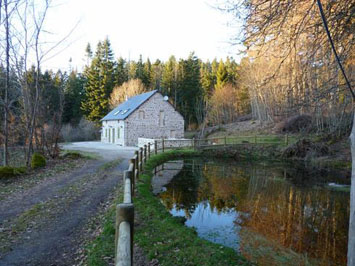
(194, 87)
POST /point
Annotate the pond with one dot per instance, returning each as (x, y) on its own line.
(274, 214)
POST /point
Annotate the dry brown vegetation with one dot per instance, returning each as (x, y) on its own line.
(126, 90)
(290, 68)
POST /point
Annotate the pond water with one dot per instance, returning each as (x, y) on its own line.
(273, 214)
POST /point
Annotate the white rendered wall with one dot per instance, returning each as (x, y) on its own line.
(109, 132)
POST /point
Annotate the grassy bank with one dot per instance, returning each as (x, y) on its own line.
(164, 237)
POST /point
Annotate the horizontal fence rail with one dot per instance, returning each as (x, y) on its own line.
(125, 211)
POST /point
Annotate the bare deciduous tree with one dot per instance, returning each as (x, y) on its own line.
(127, 89)
(287, 41)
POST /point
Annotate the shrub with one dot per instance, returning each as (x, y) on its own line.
(38, 160)
(84, 131)
(305, 148)
(8, 171)
(297, 123)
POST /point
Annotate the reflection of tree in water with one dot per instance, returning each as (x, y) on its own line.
(201, 183)
(223, 186)
(182, 191)
(306, 219)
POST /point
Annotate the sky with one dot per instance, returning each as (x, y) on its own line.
(152, 28)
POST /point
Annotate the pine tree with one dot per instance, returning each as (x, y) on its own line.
(88, 53)
(121, 72)
(156, 75)
(132, 70)
(74, 93)
(189, 90)
(100, 82)
(207, 83)
(222, 75)
(232, 71)
(139, 69)
(214, 69)
(147, 74)
(169, 78)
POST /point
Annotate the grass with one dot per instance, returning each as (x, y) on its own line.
(279, 140)
(264, 139)
(24, 220)
(80, 154)
(110, 165)
(163, 237)
(102, 247)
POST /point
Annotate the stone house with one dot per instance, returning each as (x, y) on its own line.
(147, 115)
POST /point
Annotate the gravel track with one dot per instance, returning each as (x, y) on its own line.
(70, 200)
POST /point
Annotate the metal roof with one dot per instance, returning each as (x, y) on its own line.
(126, 108)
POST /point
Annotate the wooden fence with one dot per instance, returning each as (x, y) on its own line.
(125, 211)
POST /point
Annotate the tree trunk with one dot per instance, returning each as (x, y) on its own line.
(7, 84)
(351, 241)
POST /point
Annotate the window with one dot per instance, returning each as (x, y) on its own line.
(116, 113)
(172, 134)
(141, 115)
(125, 111)
(118, 133)
(106, 133)
(113, 135)
(161, 119)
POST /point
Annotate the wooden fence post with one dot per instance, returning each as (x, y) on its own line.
(127, 187)
(137, 158)
(162, 144)
(133, 162)
(141, 159)
(155, 147)
(145, 154)
(136, 173)
(148, 149)
(132, 175)
(124, 213)
(129, 174)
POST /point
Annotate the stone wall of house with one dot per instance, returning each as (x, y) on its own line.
(154, 119)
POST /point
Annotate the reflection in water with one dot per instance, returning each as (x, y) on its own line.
(265, 212)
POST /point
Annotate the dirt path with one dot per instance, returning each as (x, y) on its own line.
(43, 224)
